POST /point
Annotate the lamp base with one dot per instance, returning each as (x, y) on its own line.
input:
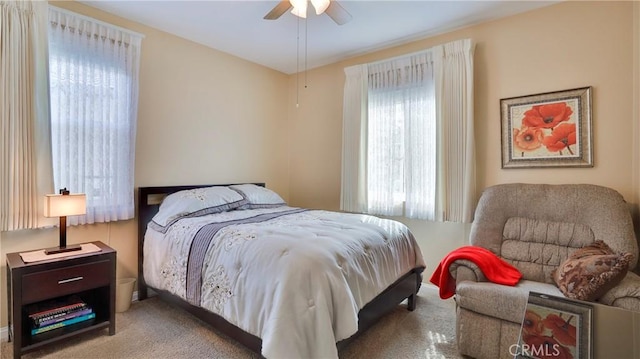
(63, 249)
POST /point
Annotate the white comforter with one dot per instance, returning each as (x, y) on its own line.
(297, 281)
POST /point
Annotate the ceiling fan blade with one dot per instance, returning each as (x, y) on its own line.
(278, 10)
(338, 13)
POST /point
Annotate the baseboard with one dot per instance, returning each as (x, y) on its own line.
(4, 331)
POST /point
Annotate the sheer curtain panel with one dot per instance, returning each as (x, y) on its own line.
(401, 137)
(25, 158)
(94, 101)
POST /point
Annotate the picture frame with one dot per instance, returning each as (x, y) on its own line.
(550, 129)
(555, 327)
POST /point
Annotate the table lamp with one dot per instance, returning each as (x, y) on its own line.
(63, 205)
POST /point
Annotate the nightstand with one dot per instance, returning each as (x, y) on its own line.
(90, 276)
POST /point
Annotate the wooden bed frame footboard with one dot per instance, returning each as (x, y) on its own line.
(149, 199)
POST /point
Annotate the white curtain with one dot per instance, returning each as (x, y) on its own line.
(94, 97)
(25, 158)
(408, 145)
(401, 135)
(353, 195)
(453, 64)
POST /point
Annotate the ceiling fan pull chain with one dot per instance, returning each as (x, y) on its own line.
(306, 41)
(298, 64)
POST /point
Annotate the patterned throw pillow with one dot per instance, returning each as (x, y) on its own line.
(591, 271)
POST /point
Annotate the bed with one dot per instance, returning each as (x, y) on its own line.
(282, 281)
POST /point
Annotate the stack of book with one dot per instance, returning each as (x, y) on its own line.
(58, 313)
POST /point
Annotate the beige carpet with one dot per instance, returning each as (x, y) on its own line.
(154, 329)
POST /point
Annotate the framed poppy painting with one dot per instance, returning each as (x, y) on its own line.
(555, 327)
(547, 130)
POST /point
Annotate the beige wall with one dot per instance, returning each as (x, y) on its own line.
(204, 117)
(564, 46)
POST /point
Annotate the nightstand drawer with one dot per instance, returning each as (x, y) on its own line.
(63, 281)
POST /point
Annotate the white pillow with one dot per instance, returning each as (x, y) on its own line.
(196, 202)
(258, 197)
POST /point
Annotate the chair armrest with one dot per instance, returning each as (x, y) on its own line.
(463, 269)
(626, 294)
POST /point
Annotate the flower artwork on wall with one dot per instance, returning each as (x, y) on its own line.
(555, 327)
(547, 130)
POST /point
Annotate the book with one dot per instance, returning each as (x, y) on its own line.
(63, 323)
(50, 308)
(61, 316)
(60, 312)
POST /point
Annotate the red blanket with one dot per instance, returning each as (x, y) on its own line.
(494, 268)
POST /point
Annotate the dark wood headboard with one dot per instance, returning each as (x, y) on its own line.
(149, 200)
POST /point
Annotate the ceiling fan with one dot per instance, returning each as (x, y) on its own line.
(330, 7)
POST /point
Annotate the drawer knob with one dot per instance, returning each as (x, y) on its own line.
(63, 281)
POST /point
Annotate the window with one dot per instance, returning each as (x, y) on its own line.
(408, 135)
(93, 75)
(401, 139)
(386, 186)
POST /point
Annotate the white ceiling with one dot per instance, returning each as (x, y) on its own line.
(237, 26)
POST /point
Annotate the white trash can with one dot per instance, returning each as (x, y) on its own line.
(124, 293)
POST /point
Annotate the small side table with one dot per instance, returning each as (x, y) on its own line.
(91, 276)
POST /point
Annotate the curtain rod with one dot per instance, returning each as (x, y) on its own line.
(409, 54)
(103, 23)
(425, 51)
(393, 58)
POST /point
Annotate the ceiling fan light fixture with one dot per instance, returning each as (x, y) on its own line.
(332, 8)
(299, 8)
(320, 5)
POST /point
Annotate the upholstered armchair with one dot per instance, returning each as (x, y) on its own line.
(535, 228)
